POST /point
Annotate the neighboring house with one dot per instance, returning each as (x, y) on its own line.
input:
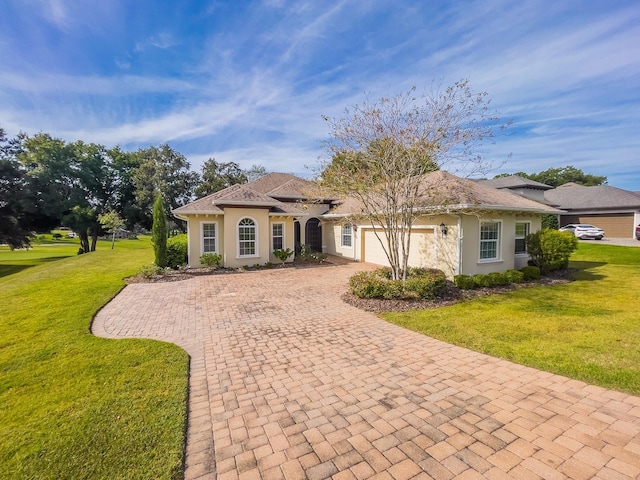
(520, 186)
(246, 223)
(473, 229)
(615, 210)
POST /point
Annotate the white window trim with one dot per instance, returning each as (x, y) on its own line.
(498, 240)
(284, 239)
(525, 253)
(255, 226)
(342, 235)
(202, 224)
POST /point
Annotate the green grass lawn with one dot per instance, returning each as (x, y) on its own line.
(73, 405)
(588, 329)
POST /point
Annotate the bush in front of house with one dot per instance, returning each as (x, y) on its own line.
(550, 249)
(211, 260)
(464, 282)
(498, 279)
(420, 283)
(530, 273)
(514, 276)
(368, 284)
(481, 280)
(177, 251)
(427, 284)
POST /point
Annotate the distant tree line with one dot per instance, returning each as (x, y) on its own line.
(555, 177)
(46, 182)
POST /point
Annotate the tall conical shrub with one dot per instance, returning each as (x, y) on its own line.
(159, 232)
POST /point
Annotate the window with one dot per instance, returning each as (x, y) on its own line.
(346, 235)
(522, 230)
(277, 236)
(209, 238)
(246, 238)
(489, 240)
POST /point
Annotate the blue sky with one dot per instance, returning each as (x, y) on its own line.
(248, 81)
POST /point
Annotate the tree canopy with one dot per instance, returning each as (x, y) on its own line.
(379, 152)
(555, 177)
(217, 176)
(46, 182)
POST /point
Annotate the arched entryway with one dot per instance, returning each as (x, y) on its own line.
(313, 235)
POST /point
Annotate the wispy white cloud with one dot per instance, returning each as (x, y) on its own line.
(253, 83)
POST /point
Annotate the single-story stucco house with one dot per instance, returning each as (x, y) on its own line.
(474, 229)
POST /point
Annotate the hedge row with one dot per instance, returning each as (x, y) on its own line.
(496, 279)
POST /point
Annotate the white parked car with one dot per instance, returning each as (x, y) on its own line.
(584, 231)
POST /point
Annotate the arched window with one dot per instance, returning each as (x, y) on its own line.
(247, 238)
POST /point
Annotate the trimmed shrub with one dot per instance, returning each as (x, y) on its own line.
(514, 276)
(550, 249)
(428, 284)
(530, 273)
(212, 260)
(497, 279)
(177, 251)
(482, 280)
(464, 282)
(367, 285)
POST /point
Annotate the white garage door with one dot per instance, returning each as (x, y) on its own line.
(421, 254)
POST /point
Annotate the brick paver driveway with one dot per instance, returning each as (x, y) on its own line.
(287, 381)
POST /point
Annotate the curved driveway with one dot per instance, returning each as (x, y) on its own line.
(287, 381)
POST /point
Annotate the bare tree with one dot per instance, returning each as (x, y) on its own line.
(380, 151)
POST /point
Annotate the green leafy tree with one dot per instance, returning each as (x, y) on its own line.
(254, 172)
(166, 171)
(555, 177)
(159, 232)
(379, 152)
(111, 222)
(217, 176)
(13, 190)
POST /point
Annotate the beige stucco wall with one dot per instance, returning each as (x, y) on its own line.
(194, 231)
(456, 252)
(332, 241)
(471, 263)
(227, 228)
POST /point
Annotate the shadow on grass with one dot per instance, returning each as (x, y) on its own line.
(586, 270)
(7, 269)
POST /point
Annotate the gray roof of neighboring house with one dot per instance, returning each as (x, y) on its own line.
(572, 196)
(515, 181)
(450, 193)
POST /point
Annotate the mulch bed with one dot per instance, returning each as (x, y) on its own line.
(451, 296)
(185, 274)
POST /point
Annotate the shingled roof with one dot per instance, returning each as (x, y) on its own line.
(572, 196)
(236, 195)
(446, 192)
(515, 181)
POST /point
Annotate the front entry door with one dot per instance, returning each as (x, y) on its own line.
(313, 235)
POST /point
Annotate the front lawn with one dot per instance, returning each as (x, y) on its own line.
(73, 405)
(588, 329)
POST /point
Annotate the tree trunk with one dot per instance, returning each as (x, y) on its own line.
(94, 239)
(84, 241)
